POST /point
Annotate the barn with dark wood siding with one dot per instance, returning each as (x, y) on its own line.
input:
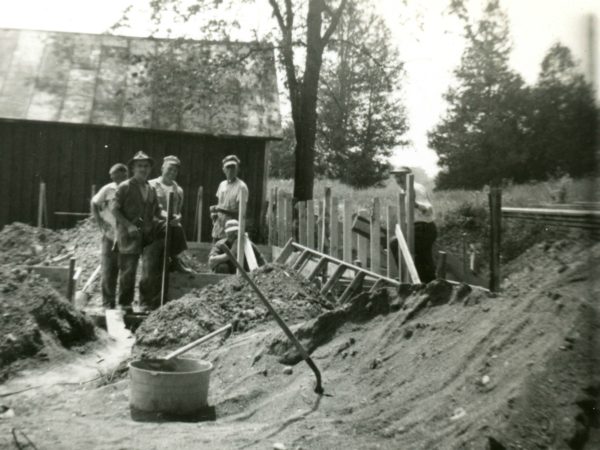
(71, 106)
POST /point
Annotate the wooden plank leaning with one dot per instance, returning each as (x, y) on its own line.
(347, 231)
(406, 256)
(242, 227)
(164, 285)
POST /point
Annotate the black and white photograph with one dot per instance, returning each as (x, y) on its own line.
(300, 224)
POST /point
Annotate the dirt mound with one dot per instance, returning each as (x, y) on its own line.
(35, 320)
(434, 367)
(438, 367)
(23, 244)
(202, 311)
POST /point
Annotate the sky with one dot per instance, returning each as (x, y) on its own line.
(428, 38)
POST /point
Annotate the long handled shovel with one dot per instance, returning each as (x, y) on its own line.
(280, 322)
(197, 342)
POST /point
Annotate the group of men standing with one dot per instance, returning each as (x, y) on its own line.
(131, 212)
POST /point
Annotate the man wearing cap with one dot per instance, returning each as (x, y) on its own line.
(228, 196)
(101, 206)
(218, 260)
(425, 229)
(164, 185)
(138, 216)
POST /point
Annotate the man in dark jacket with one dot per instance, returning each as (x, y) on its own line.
(138, 217)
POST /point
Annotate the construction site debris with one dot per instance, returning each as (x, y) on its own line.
(35, 320)
(202, 311)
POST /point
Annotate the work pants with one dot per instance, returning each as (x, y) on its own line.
(224, 267)
(425, 236)
(152, 263)
(128, 263)
(109, 272)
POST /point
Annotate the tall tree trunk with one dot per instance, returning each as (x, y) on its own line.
(306, 127)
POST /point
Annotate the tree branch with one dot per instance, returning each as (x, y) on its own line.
(335, 18)
(277, 14)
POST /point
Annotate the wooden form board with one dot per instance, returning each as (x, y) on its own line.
(406, 256)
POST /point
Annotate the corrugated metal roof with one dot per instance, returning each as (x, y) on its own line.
(139, 83)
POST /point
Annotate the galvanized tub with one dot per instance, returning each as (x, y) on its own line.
(177, 386)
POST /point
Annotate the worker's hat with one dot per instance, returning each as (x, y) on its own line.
(231, 160)
(117, 167)
(141, 156)
(231, 225)
(172, 159)
(401, 169)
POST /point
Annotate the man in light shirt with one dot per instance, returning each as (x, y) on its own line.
(228, 196)
(101, 206)
(164, 185)
(425, 229)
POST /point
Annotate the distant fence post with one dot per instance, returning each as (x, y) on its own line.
(321, 227)
(280, 218)
(273, 217)
(392, 270)
(310, 223)
(402, 273)
(410, 213)
(334, 234)
(465, 260)
(495, 200)
(199, 214)
(289, 217)
(375, 240)
(301, 222)
(242, 228)
(42, 212)
(347, 231)
(363, 243)
(441, 266)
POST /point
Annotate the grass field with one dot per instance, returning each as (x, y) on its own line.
(445, 202)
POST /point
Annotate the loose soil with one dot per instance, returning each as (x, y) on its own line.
(36, 322)
(202, 311)
(429, 367)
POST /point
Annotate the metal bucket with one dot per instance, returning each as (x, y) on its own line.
(177, 386)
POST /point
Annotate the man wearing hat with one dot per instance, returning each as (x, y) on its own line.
(228, 196)
(164, 185)
(138, 216)
(425, 229)
(152, 260)
(101, 206)
(218, 261)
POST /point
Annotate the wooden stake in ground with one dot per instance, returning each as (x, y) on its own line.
(164, 285)
(310, 223)
(375, 241)
(495, 200)
(347, 231)
(42, 212)
(198, 218)
(242, 228)
(410, 213)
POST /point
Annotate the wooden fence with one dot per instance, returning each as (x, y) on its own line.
(338, 228)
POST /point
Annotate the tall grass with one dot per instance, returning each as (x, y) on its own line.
(446, 202)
